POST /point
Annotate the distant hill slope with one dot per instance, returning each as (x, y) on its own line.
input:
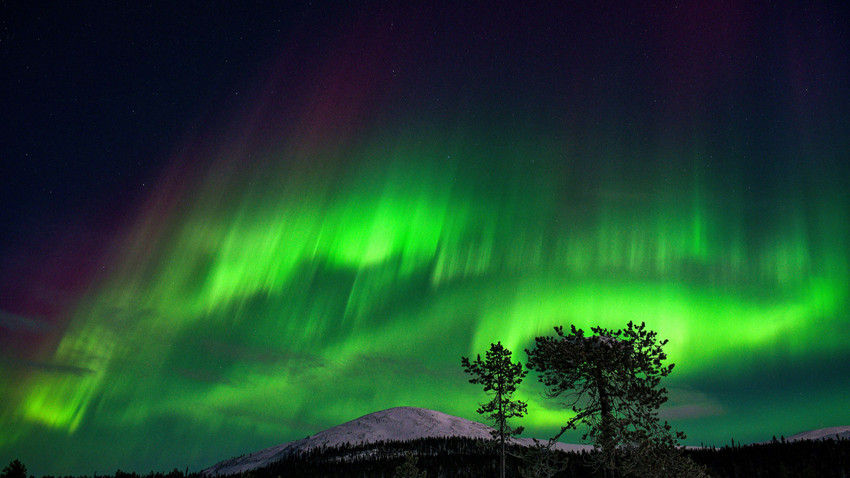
(820, 434)
(394, 424)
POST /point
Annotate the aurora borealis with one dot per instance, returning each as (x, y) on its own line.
(392, 188)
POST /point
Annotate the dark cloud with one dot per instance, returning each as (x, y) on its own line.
(211, 360)
(49, 367)
(275, 420)
(240, 352)
(204, 375)
(686, 404)
(387, 365)
(692, 411)
(21, 324)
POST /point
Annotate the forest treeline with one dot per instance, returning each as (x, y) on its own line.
(458, 457)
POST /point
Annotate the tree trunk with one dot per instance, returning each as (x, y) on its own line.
(502, 423)
(606, 421)
(502, 461)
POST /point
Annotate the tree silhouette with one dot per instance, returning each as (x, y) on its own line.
(542, 460)
(408, 469)
(15, 469)
(500, 377)
(611, 379)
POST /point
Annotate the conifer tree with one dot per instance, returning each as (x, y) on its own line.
(15, 469)
(611, 379)
(408, 469)
(500, 377)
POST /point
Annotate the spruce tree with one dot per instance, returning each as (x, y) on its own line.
(500, 377)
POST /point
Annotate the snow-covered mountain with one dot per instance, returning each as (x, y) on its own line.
(394, 424)
(821, 434)
(410, 423)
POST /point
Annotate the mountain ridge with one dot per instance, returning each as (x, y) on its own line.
(393, 424)
(411, 423)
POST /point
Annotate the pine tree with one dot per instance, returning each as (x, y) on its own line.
(611, 379)
(500, 377)
(15, 469)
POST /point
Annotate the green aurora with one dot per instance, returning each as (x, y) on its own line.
(328, 292)
(280, 280)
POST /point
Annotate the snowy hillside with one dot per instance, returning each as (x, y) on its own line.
(823, 433)
(394, 424)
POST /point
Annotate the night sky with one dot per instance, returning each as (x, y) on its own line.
(226, 226)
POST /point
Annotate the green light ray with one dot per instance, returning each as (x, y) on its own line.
(304, 283)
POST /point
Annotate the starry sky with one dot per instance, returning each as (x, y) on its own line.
(225, 226)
